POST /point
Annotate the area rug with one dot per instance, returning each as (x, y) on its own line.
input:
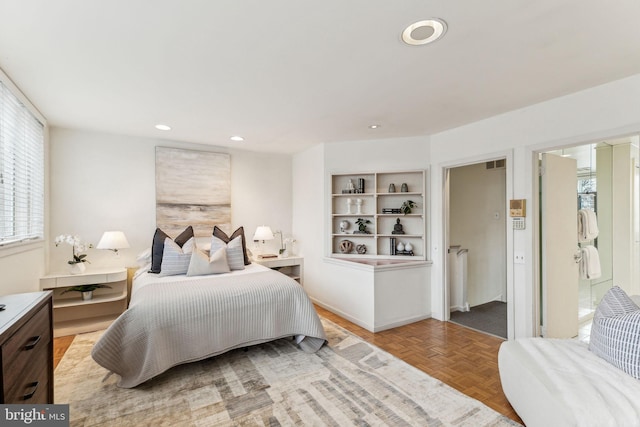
(347, 382)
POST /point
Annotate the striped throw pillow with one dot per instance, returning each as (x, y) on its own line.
(235, 252)
(615, 331)
(175, 259)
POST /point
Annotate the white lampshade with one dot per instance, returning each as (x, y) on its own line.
(263, 232)
(113, 240)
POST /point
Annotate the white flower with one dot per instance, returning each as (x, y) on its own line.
(77, 247)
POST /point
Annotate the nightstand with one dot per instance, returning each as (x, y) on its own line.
(73, 315)
(291, 266)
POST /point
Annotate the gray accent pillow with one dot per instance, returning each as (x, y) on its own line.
(217, 232)
(157, 246)
(235, 252)
(176, 259)
(201, 264)
(615, 331)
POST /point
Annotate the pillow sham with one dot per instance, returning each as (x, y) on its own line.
(176, 259)
(144, 257)
(157, 246)
(235, 256)
(200, 264)
(217, 232)
(615, 331)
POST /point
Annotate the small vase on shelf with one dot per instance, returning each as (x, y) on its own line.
(349, 204)
(77, 268)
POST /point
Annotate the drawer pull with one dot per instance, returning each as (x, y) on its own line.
(30, 394)
(32, 343)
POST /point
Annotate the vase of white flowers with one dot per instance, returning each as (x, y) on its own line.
(76, 264)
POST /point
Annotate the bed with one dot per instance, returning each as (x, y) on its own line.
(179, 319)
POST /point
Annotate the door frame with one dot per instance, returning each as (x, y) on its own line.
(446, 167)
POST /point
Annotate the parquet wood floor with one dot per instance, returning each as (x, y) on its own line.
(460, 357)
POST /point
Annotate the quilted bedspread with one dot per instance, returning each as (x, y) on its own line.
(178, 319)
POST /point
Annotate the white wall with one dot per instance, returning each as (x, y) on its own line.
(105, 182)
(477, 211)
(309, 216)
(21, 269)
(609, 110)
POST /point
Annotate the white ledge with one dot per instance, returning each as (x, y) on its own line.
(372, 264)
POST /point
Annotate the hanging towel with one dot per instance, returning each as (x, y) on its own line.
(587, 225)
(590, 263)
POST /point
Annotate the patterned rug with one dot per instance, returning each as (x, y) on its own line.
(347, 382)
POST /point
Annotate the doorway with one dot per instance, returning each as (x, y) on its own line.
(477, 252)
(604, 179)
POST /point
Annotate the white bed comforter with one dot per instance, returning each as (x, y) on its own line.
(559, 382)
(178, 319)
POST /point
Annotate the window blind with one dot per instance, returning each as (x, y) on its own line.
(21, 171)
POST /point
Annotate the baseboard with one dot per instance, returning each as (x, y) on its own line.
(365, 325)
(343, 314)
(401, 323)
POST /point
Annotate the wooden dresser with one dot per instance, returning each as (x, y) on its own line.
(26, 348)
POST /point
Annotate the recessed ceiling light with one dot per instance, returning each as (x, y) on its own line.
(236, 138)
(374, 126)
(424, 32)
(163, 127)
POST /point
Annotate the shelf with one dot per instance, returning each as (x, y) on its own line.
(97, 299)
(355, 195)
(72, 327)
(400, 193)
(400, 215)
(400, 236)
(291, 266)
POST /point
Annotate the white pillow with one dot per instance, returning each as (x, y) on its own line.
(235, 253)
(201, 264)
(144, 257)
(615, 331)
(175, 259)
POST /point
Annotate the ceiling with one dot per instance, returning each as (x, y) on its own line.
(288, 74)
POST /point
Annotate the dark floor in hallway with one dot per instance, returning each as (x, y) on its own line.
(490, 318)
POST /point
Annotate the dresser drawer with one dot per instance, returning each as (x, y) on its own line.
(31, 339)
(30, 385)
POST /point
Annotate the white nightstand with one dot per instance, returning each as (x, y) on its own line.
(72, 315)
(291, 266)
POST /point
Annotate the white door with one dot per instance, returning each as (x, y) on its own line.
(559, 241)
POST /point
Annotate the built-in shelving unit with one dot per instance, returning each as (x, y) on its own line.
(72, 314)
(367, 196)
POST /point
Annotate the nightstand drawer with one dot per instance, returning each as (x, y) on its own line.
(29, 385)
(31, 339)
